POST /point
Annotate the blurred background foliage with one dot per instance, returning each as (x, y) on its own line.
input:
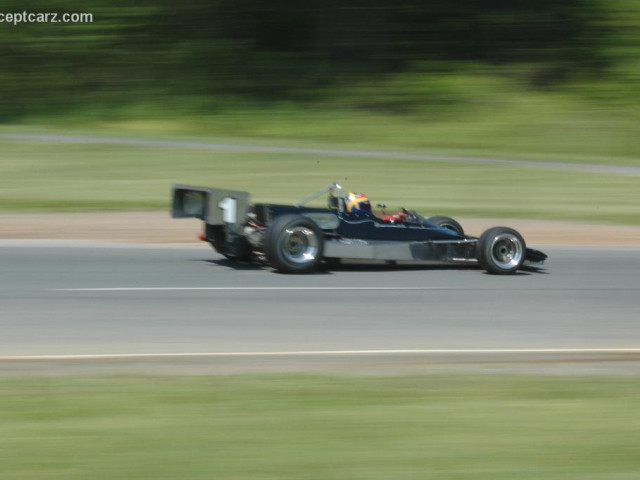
(206, 56)
(545, 80)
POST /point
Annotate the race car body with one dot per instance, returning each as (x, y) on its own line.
(297, 238)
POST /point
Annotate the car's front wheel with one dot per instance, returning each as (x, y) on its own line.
(447, 222)
(501, 250)
(294, 244)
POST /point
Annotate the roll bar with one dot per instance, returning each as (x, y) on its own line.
(331, 188)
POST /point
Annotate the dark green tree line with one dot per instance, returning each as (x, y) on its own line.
(280, 49)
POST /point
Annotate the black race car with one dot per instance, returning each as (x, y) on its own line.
(297, 238)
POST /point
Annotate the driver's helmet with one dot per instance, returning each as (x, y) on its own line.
(357, 203)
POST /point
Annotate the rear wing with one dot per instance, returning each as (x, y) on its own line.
(215, 206)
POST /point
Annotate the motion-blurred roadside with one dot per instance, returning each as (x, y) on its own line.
(547, 81)
(495, 73)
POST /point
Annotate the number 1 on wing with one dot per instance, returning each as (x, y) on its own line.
(228, 207)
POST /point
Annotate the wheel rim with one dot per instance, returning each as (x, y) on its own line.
(507, 251)
(299, 245)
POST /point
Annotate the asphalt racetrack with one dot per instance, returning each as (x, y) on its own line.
(88, 300)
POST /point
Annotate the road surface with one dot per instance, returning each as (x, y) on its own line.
(74, 300)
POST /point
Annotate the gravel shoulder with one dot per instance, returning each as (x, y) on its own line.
(159, 227)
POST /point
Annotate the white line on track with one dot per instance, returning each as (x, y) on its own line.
(107, 356)
(164, 289)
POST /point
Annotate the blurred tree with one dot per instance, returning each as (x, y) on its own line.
(278, 49)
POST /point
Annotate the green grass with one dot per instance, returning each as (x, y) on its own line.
(67, 177)
(470, 113)
(465, 114)
(296, 427)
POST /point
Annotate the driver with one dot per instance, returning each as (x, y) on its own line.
(359, 203)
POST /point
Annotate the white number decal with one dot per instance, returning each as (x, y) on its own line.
(228, 207)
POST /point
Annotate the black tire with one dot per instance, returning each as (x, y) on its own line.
(294, 244)
(238, 250)
(501, 250)
(237, 254)
(232, 257)
(447, 222)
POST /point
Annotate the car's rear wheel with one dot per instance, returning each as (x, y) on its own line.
(447, 222)
(232, 246)
(501, 250)
(294, 244)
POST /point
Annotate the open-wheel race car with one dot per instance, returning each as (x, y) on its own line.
(298, 238)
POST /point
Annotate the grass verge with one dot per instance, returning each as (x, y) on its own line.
(86, 177)
(475, 115)
(318, 427)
